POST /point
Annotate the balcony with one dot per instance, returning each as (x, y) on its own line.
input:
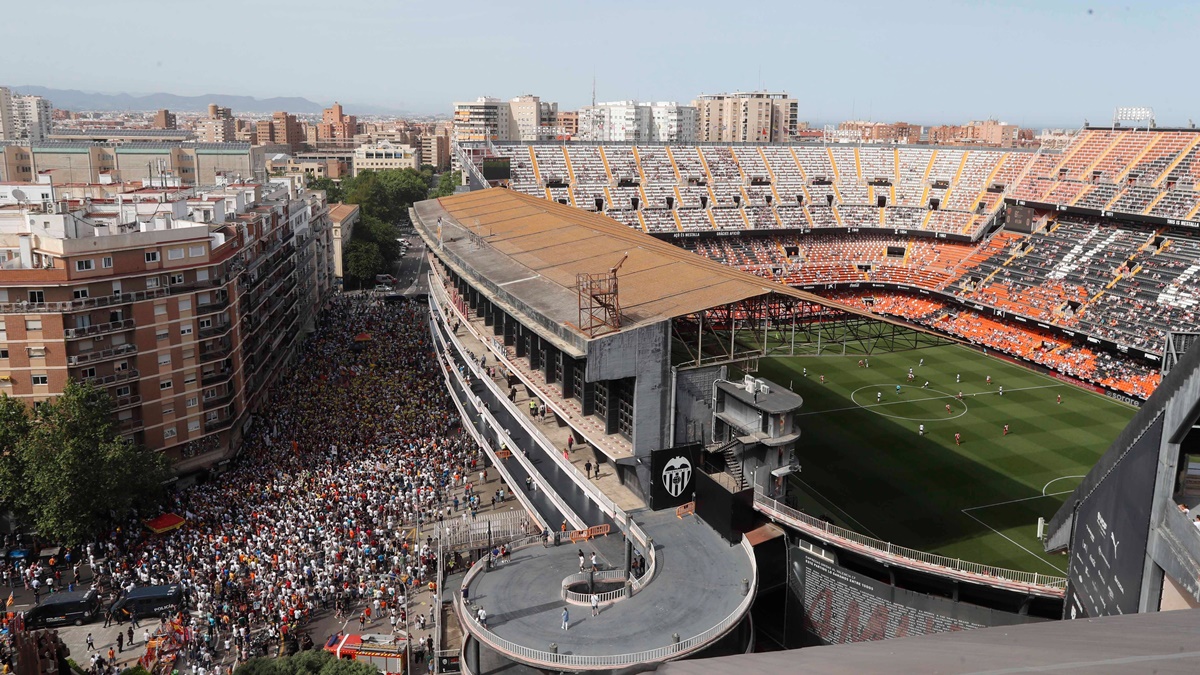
(213, 306)
(217, 401)
(97, 329)
(216, 377)
(129, 426)
(217, 425)
(101, 355)
(199, 285)
(213, 331)
(82, 303)
(106, 380)
(214, 354)
(127, 402)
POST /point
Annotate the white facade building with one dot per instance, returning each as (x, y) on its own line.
(24, 117)
(637, 122)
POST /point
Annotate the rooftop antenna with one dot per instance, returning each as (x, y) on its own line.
(593, 88)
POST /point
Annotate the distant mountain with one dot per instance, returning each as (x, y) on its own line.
(73, 99)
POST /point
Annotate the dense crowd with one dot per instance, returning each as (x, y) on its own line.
(357, 446)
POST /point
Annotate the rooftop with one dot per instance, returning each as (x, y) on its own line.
(775, 400)
(534, 248)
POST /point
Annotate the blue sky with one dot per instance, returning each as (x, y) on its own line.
(1032, 63)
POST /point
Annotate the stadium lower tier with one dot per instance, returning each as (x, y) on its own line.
(1027, 343)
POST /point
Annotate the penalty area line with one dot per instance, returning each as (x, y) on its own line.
(1010, 540)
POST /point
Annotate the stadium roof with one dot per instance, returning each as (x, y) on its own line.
(535, 248)
(1158, 642)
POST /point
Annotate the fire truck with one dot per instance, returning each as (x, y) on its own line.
(388, 653)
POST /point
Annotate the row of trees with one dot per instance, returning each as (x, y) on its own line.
(67, 472)
(384, 198)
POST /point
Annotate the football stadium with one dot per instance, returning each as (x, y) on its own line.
(909, 382)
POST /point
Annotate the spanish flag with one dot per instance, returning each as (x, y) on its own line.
(10, 600)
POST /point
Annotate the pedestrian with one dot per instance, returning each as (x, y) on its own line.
(130, 636)
(878, 396)
(581, 559)
(112, 656)
(91, 645)
(570, 442)
(107, 618)
(921, 362)
(587, 467)
(528, 484)
(595, 605)
(594, 560)
(482, 616)
(566, 617)
(120, 642)
(989, 379)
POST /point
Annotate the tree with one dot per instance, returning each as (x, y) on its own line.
(333, 190)
(361, 261)
(77, 473)
(382, 234)
(447, 183)
(386, 194)
(14, 425)
(311, 662)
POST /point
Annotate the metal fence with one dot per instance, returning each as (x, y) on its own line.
(908, 557)
(600, 576)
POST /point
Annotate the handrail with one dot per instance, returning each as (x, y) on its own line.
(604, 598)
(587, 662)
(908, 557)
(553, 496)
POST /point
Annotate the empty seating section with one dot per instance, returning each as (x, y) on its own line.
(624, 198)
(660, 196)
(687, 160)
(914, 163)
(728, 219)
(965, 193)
(1114, 162)
(521, 176)
(945, 165)
(859, 216)
(1013, 164)
(622, 165)
(1083, 152)
(694, 219)
(728, 195)
(815, 160)
(1135, 199)
(656, 165)
(1187, 172)
(1176, 204)
(1063, 192)
(693, 197)
(758, 195)
(722, 167)
(660, 220)
(751, 164)
(846, 164)
(587, 165)
(854, 194)
(950, 222)
(552, 164)
(561, 195)
(1097, 196)
(1159, 156)
(590, 197)
(878, 164)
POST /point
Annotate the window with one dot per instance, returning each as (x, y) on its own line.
(81, 293)
(3, 353)
(33, 324)
(185, 304)
(37, 352)
(195, 251)
(122, 392)
(202, 275)
(175, 254)
(85, 265)
(151, 282)
(185, 329)
(116, 288)
(210, 416)
(190, 378)
(169, 432)
(87, 373)
(162, 334)
(194, 425)
(164, 359)
(168, 410)
(106, 262)
(192, 402)
(176, 279)
(37, 297)
(189, 353)
(151, 256)
(40, 380)
(205, 323)
(159, 310)
(164, 385)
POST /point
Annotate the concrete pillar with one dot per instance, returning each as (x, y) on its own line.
(610, 421)
(552, 355)
(521, 339)
(589, 398)
(568, 380)
(487, 309)
(510, 331)
(498, 321)
(535, 351)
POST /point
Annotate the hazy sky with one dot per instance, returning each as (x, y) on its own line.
(1032, 62)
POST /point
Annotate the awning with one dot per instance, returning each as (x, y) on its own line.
(362, 337)
(165, 523)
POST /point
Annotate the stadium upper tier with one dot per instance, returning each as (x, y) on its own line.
(684, 188)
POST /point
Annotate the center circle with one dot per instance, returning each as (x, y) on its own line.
(880, 408)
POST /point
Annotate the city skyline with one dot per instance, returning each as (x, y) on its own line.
(867, 60)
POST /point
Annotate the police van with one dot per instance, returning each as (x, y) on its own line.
(148, 601)
(60, 609)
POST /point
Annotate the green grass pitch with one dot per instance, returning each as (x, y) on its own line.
(865, 465)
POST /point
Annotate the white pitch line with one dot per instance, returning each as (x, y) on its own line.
(1023, 499)
(830, 502)
(930, 398)
(1054, 567)
(1056, 480)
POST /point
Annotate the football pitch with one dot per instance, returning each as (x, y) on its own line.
(866, 465)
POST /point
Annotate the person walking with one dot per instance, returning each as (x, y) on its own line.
(595, 605)
(120, 642)
(581, 560)
(566, 617)
(130, 637)
(91, 645)
(587, 467)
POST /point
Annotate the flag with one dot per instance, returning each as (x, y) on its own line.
(10, 600)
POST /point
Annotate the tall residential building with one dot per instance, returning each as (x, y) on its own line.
(638, 122)
(747, 117)
(183, 304)
(534, 119)
(568, 123)
(484, 119)
(219, 126)
(281, 129)
(435, 150)
(164, 119)
(524, 118)
(336, 125)
(882, 132)
(24, 117)
(184, 163)
(991, 133)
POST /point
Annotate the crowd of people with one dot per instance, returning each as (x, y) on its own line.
(356, 447)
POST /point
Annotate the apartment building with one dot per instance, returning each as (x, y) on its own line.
(219, 126)
(386, 155)
(747, 117)
(435, 149)
(568, 123)
(638, 122)
(525, 118)
(182, 303)
(883, 132)
(533, 118)
(282, 129)
(164, 119)
(336, 125)
(185, 163)
(343, 218)
(992, 133)
(24, 117)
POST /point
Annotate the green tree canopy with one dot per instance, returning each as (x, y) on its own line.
(383, 234)
(386, 194)
(75, 473)
(362, 260)
(333, 190)
(311, 662)
(14, 425)
(447, 184)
